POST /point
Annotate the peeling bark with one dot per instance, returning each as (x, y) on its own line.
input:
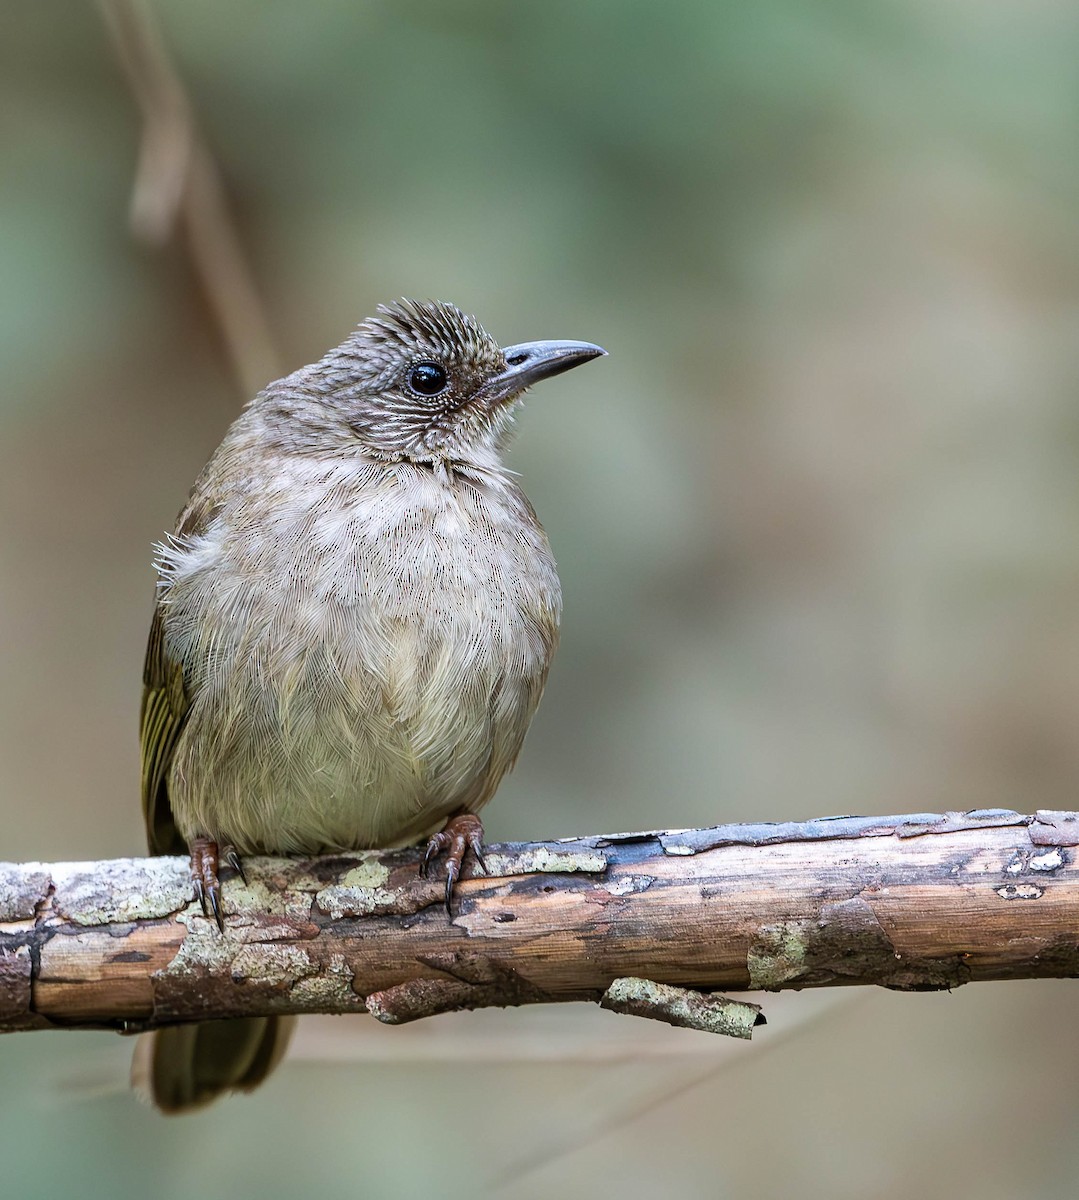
(921, 902)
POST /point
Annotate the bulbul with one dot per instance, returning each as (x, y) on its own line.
(355, 618)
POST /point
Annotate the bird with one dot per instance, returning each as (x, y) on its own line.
(355, 617)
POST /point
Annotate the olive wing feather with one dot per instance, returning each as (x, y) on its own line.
(165, 702)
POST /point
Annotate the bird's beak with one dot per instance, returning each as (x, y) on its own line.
(530, 362)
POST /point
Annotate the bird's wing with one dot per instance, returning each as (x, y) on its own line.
(164, 706)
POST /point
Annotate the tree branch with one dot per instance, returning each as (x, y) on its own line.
(919, 902)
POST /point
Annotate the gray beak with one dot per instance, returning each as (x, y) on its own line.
(530, 362)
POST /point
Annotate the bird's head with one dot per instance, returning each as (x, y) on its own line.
(423, 381)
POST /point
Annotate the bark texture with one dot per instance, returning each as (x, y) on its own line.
(914, 902)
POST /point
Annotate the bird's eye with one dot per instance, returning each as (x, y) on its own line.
(428, 378)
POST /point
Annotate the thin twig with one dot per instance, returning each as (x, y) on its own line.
(178, 187)
(584, 1135)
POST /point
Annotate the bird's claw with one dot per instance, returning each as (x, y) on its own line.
(461, 836)
(232, 859)
(204, 866)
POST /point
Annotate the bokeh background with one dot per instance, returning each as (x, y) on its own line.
(817, 518)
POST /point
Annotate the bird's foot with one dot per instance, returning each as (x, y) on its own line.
(204, 866)
(461, 835)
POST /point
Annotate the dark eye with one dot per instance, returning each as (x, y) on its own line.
(428, 378)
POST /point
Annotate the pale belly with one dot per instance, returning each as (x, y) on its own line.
(366, 679)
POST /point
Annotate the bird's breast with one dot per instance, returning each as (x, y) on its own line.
(363, 654)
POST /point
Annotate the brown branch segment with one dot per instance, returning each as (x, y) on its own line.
(917, 902)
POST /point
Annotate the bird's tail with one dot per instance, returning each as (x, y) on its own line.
(184, 1067)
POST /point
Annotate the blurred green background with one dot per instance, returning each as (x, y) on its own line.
(817, 519)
